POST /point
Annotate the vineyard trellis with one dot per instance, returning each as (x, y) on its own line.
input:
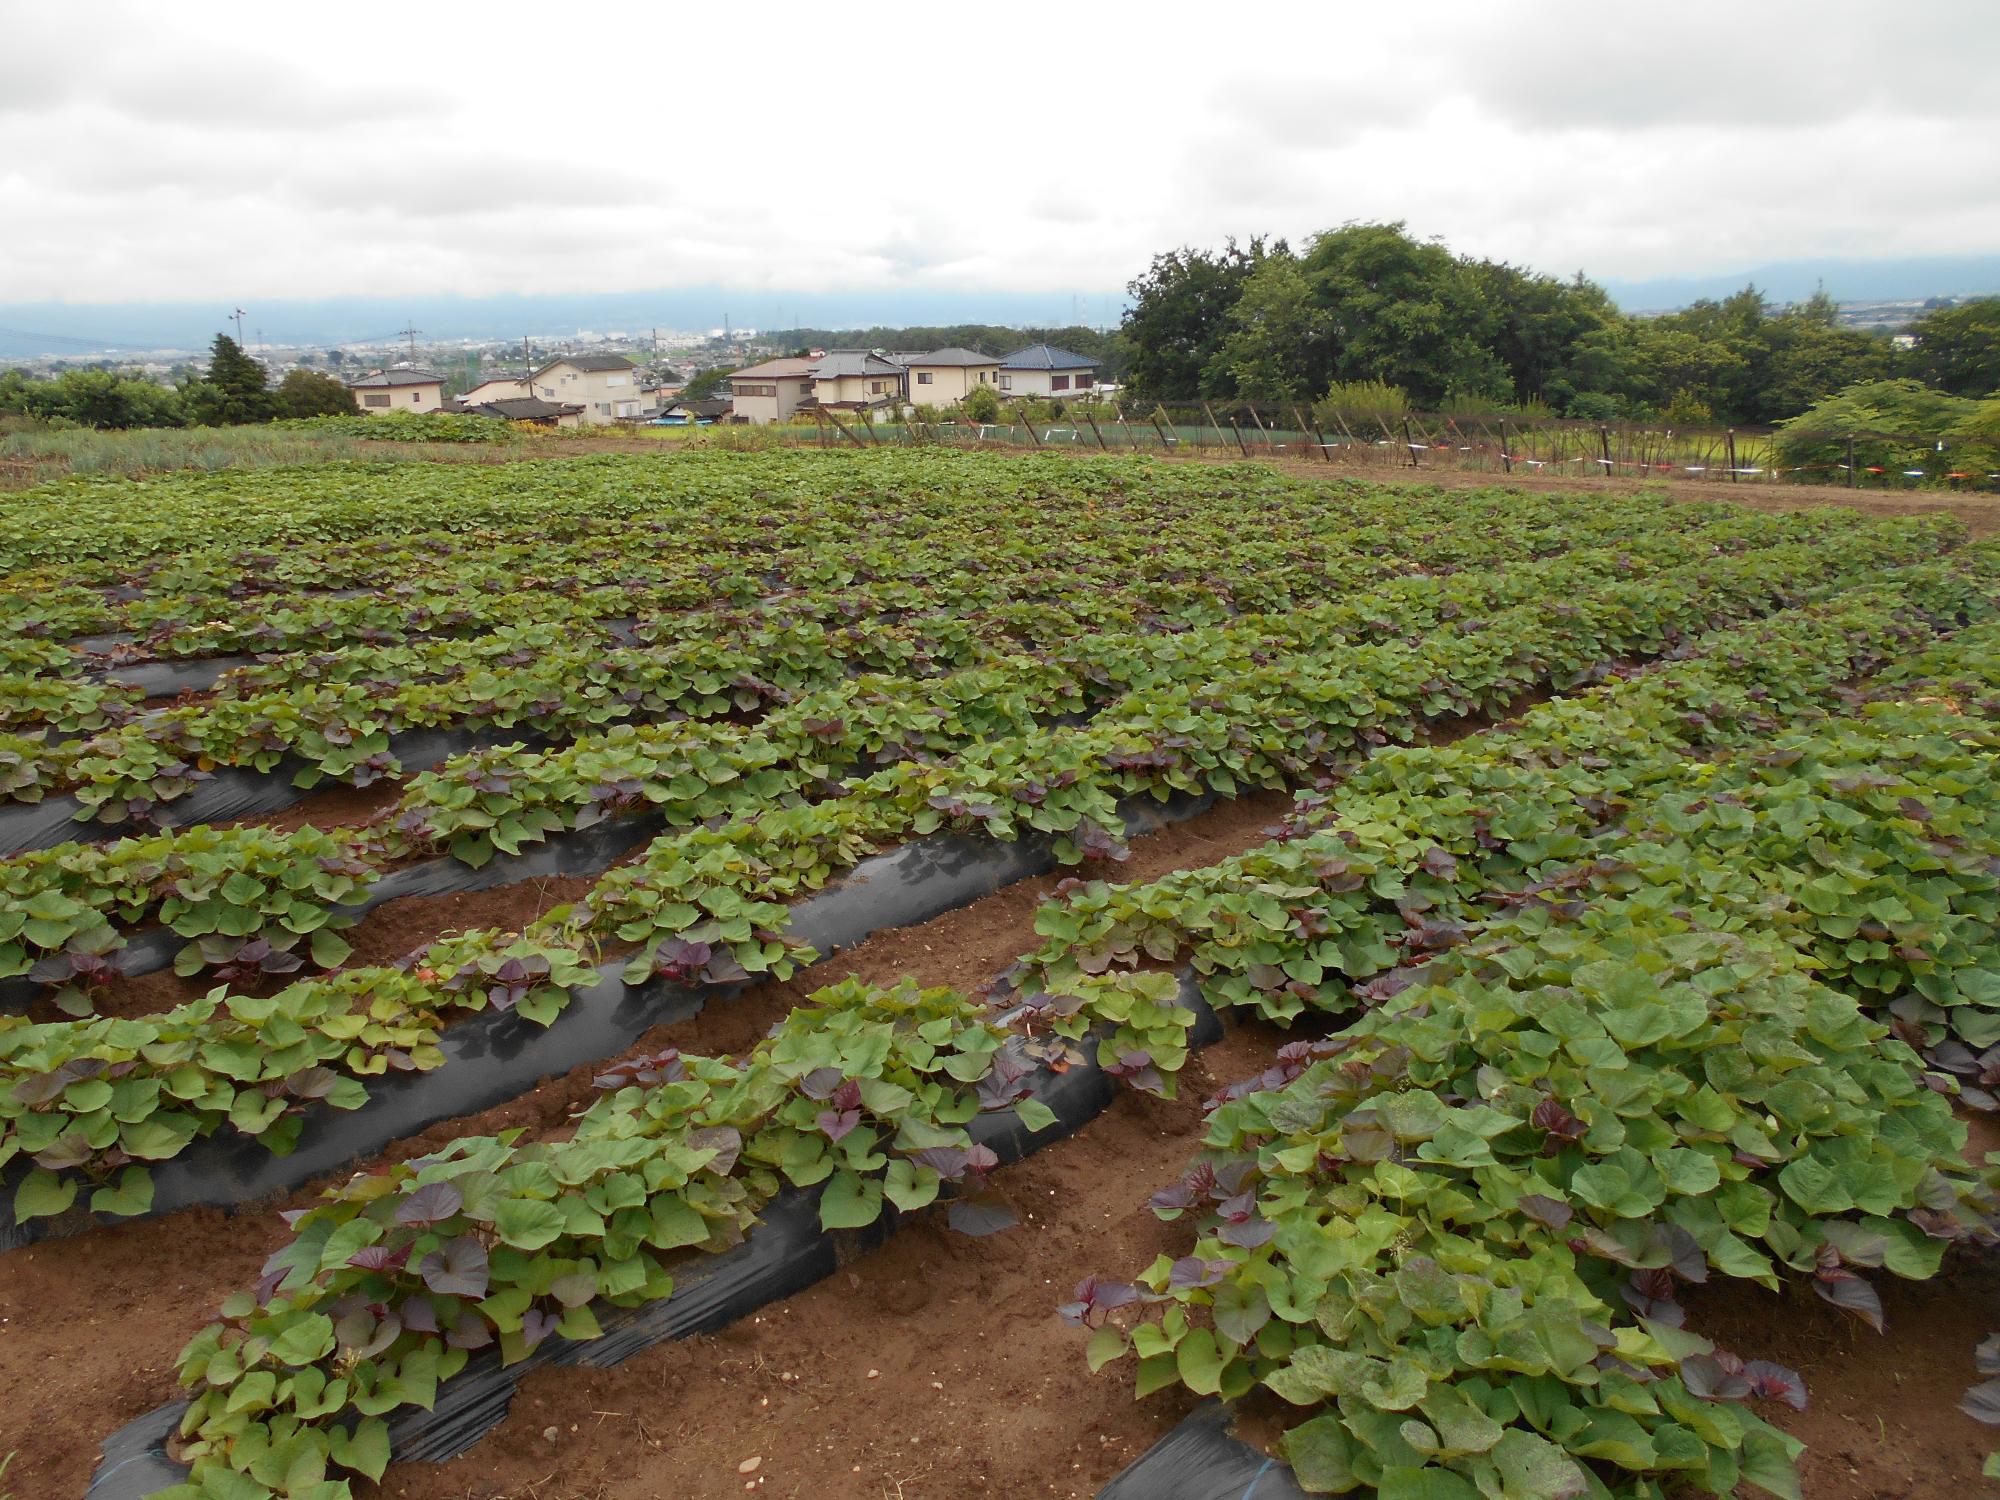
(1488, 443)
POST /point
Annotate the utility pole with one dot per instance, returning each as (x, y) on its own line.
(411, 333)
(238, 315)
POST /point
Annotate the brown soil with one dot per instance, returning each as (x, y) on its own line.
(397, 928)
(328, 808)
(149, 1286)
(1882, 1421)
(1979, 512)
(932, 1366)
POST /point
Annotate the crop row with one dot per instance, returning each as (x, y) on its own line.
(1458, 1230)
(1393, 1236)
(995, 714)
(703, 904)
(83, 558)
(335, 724)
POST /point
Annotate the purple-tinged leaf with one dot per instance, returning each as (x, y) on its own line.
(1248, 1234)
(1548, 1212)
(1769, 1382)
(459, 1269)
(367, 1331)
(312, 1083)
(1715, 1377)
(418, 1315)
(980, 1215)
(1556, 1122)
(821, 1082)
(432, 1203)
(1850, 1293)
(835, 1124)
(537, 1325)
(1137, 1068)
(1690, 1261)
(1094, 1298)
(471, 1331)
(380, 1257)
(726, 1141)
(1191, 1272)
(1439, 861)
(1982, 1403)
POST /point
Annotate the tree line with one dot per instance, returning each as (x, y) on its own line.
(1368, 306)
(233, 389)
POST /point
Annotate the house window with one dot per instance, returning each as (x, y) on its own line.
(1084, 381)
(755, 390)
(805, 388)
(381, 400)
(599, 406)
(417, 396)
(1059, 382)
(874, 387)
(923, 377)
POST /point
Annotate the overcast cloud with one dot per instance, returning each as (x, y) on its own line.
(210, 150)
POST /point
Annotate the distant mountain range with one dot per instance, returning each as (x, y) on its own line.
(1845, 281)
(29, 329)
(37, 328)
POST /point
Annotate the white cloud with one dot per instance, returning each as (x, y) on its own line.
(226, 150)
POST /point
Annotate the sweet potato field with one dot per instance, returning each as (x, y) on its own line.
(915, 973)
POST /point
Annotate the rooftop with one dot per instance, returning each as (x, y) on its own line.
(405, 375)
(838, 362)
(1046, 357)
(524, 409)
(954, 358)
(591, 362)
(789, 368)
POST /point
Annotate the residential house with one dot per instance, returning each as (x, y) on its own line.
(656, 398)
(772, 391)
(529, 409)
(701, 413)
(855, 379)
(1041, 370)
(399, 388)
(503, 387)
(606, 386)
(946, 376)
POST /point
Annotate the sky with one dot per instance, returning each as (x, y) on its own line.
(213, 151)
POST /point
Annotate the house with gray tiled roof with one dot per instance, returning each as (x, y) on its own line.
(1042, 370)
(398, 388)
(944, 377)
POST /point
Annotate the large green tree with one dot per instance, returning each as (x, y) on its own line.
(307, 393)
(1958, 348)
(91, 398)
(1180, 318)
(234, 389)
